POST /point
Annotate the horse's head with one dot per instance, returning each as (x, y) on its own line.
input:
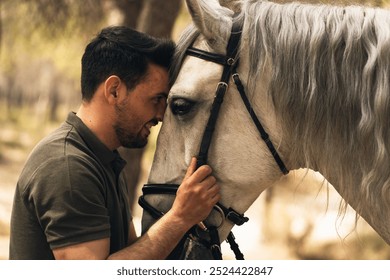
(296, 62)
(241, 161)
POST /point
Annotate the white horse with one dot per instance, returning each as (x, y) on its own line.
(317, 77)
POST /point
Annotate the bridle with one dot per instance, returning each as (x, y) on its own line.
(230, 63)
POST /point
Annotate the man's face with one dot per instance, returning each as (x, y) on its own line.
(143, 108)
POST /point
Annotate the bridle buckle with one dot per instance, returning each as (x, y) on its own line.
(236, 218)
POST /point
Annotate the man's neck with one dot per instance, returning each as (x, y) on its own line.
(99, 121)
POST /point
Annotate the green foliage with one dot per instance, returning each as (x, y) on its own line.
(55, 30)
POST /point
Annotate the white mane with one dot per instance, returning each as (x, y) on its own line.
(330, 86)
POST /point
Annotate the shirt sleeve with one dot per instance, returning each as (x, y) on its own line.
(69, 199)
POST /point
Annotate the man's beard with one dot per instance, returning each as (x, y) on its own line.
(128, 139)
(125, 132)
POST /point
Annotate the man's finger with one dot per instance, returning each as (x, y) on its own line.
(191, 168)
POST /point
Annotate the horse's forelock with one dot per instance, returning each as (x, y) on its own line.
(186, 39)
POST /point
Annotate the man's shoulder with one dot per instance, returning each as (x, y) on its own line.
(62, 153)
(61, 143)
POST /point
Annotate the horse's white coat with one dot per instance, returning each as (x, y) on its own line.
(241, 162)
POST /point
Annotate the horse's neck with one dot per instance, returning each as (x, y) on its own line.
(374, 208)
(337, 156)
(339, 164)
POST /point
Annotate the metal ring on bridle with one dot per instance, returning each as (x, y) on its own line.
(235, 75)
(230, 61)
(203, 227)
(222, 84)
(215, 246)
(223, 217)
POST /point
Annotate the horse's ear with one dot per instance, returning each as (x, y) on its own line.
(212, 20)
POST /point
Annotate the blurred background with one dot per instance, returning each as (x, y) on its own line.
(41, 44)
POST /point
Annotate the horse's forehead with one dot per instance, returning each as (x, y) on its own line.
(196, 79)
(196, 74)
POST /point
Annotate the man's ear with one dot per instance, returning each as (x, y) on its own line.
(112, 86)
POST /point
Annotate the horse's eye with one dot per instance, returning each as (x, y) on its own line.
(181, 106)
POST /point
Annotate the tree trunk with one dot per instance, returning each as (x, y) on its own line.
(133, 172)
(131, 10)
(157, 18)
(1, 27)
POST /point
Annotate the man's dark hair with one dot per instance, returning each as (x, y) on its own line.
(124, 52)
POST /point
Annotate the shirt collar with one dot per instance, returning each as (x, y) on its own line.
(98, 148)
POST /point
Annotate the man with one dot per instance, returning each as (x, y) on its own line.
(70, 201)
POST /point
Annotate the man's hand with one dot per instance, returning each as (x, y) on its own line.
(197, 195)
(195, 198)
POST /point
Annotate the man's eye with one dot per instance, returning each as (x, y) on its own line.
(181, 106)
(159, 99)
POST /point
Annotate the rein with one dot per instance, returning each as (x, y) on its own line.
(230, 64)
(214, 243)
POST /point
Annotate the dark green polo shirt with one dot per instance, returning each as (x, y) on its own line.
(71, 190)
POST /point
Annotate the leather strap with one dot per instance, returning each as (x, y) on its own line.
(216, 58)
(229, 213)
(263, 134)
(228, 62)
(214, 243)
(234, 246)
